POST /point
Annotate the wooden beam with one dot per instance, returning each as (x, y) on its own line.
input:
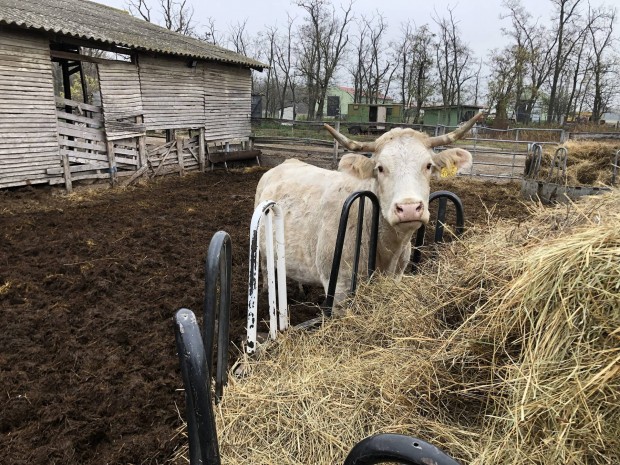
(201, 150)
(180, 155)
(112, 162)
(79, 57)
(59, 40)
(67, 173)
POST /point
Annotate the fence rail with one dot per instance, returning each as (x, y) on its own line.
(498, 154)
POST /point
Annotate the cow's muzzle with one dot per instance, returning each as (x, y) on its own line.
(408, 212)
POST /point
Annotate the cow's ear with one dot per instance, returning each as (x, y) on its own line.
(357, 165)
(449, 162)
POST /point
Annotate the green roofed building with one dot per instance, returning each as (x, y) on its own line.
(449, 115)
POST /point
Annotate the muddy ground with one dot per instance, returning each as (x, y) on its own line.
(88, 286)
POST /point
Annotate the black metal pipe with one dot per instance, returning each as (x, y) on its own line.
(396, 448)
(443, 197)
(533, 161)
(342, 229)
(358, 242)
(202, 433)
(218, 268)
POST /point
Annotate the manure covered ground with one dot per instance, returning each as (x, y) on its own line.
(89, 283)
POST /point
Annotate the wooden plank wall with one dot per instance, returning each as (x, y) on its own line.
(121, 100)
(173, 94)
(228, 102)
(28, 125)
(85, 148)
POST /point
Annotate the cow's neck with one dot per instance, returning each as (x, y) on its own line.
(390, 246)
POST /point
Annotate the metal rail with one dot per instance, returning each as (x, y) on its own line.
(218, 269)
(559, 162)
(201, 429)
(443, 197)
(396, 448)
(533, 161)
(278, 311)
(342, 229)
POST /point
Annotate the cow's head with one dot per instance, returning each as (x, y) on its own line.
(401, 165)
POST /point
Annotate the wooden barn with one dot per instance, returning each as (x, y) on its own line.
(58, 126)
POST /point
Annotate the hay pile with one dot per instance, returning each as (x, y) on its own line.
(589, 163)
(504, 350)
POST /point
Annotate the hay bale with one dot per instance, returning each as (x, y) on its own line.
(504, 350)
(589, 163)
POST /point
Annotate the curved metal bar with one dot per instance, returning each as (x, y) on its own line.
(559, 161)
(278, 317)
(342, 229)
(218, 268)
(443, 197)
(202, 433)
(614, 172)
(396, 448)
(534, 157)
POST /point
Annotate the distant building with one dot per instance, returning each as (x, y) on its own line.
(611, 117)
(340, 97)
(375, 113)
(449, 115)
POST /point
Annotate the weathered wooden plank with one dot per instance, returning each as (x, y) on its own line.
(72, 103)
(78, 131)
(86, 157)
(80, 168)
(96, 121)
(179, 146)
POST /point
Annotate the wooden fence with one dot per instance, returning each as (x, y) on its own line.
(87, 153)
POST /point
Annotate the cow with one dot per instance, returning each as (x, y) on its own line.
(398, 172)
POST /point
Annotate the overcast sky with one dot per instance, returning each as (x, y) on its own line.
(478, 20)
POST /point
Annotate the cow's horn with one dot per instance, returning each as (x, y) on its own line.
(456, 134)
(351, 144)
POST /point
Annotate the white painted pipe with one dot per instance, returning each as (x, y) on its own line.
(272, 212)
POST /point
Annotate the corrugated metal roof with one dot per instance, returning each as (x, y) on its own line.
(92, 21)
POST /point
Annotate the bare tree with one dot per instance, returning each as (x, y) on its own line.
(140, 8)
(323, 39)
(502, 84)
(371, 67)
(453, 60)
(284, 61)
(600, 29)
(567, 35)
(413, 53)
(238, 37)
(537, 48)
(177, 15)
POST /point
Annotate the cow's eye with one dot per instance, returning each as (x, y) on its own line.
(429, 166)
(380, 169)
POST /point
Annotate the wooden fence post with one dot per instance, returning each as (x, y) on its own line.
(180, 155)
(335, 161)
(201, 150)
(67, 172)
(142, 155)
(111, 161)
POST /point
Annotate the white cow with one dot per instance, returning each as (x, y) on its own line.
(311, 199)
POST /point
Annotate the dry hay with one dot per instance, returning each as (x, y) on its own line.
(589, 163)
(506, 349)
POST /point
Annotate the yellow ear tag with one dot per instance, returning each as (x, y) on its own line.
(448, 171)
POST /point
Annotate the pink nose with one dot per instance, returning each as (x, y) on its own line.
(409, 211)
